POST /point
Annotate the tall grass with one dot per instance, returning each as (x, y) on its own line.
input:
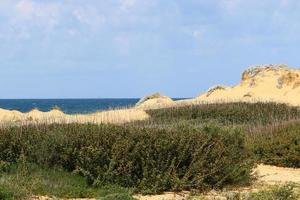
(276, 145)
(117, 116)
(227, 114)
(23, 180)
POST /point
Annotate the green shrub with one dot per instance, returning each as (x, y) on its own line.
(274, 130)
(4, 166)
(277, 145)
(285, 192)
(5, 194)
(24, 180)
(150, 160)
(226, 113)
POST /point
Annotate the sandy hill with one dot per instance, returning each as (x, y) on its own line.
(120, 116)
(266, 83)
(276, 83)
(154, 101)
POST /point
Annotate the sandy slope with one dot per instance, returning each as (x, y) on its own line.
(155, 101)
(277, 83)
(266, 83)
(56, 116)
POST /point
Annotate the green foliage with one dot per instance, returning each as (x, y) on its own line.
(5, 194)
(4, 166)
(24, 180)
(277, 145)
(226, 114)
(150, 160)
(276, 192)
(176, 149)
(285, 192)
(273, 130)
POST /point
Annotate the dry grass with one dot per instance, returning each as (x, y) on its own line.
(56, 116)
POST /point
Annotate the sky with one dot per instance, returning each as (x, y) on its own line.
(132, 48)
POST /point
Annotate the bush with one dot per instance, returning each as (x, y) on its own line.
(5, 194)
(274, 129)
(150, 160)
(227, 113)
(25, 180)
(277, 145)
(285, 192)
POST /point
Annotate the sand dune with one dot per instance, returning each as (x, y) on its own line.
(263, 83)
(275, 83)
(155, 101)
(56, 116)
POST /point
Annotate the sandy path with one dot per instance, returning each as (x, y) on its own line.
(271, 174)
(165, 196)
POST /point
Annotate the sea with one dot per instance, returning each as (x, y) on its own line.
(70, 106)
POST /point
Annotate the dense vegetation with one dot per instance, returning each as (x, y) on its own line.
(22, 180)
(149, 160)
(272, 130)
(276, 145)
(252, 114)
(184, 148)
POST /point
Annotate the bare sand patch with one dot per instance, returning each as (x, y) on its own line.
(273, 175)
(165, 196)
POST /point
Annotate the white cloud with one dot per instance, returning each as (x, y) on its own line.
(89, 16)
(285, 3)
(230, 6)
(126, 5)
(30, 13)
(25, 8)
(72, 32)
(198, 34)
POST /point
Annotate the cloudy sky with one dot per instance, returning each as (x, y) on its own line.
(130, 48)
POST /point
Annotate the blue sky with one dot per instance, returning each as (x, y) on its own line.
(130, 48)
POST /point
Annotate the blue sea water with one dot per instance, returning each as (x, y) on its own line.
(70, 106)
